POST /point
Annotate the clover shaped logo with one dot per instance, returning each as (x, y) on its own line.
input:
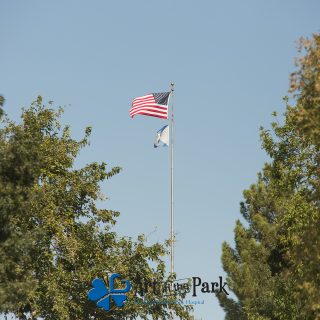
(102, 295)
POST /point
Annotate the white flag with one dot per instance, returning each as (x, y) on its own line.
(162, 137)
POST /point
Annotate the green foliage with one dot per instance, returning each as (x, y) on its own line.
(274, 269)
(2, 101)
(305, 86)
(54, 240)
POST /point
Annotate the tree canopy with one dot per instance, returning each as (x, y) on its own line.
(54, 240)
(274, 268)
(2, 100)
(305, 86)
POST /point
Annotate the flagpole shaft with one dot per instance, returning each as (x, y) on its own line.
(172, 236)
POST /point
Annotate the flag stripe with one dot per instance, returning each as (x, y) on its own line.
(148, 97)
(152, 115)
(153, 105)
(143, 97)
(137, 104)
(150, 100)
(149, 109)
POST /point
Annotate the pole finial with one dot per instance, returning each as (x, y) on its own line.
(172, 86)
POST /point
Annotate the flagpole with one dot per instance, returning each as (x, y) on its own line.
(172, 236)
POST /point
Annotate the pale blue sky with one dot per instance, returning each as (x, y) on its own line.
(230, 61)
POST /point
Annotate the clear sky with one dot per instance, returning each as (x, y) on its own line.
(230, 61)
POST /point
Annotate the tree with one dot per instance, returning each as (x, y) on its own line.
(274, 269)
(54, 240)
(2, 100)
(305, 86)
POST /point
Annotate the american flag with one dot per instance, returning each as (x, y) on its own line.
(153, 105)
